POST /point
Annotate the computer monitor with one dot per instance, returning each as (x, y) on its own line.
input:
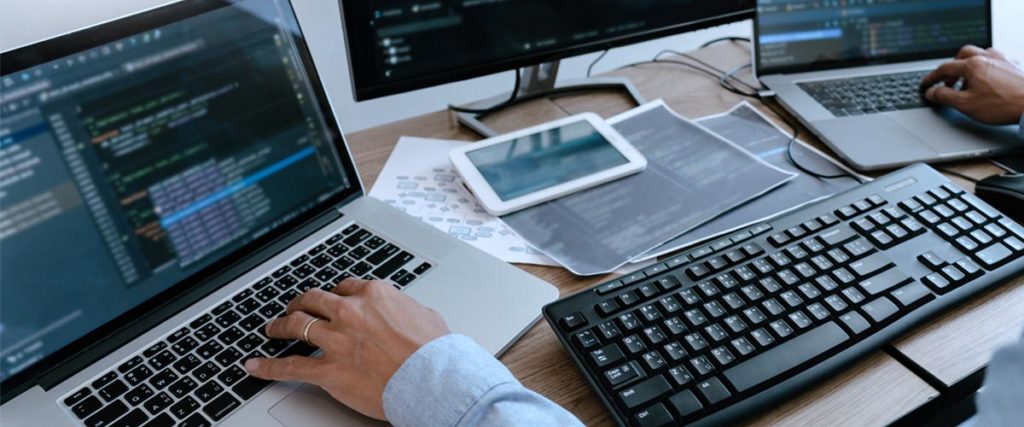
(397, 46)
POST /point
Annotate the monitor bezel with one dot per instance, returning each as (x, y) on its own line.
(760, 70)
(108, 337)
(350, 14)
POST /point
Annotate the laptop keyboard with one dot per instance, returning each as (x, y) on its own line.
(866, 95)
(194, 375)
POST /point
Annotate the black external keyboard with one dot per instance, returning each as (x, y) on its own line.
(730, 328)
(194, 375)
(865, 95)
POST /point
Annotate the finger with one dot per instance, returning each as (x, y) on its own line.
(290, 327)
(969, 51)
(947, 96)
(949, 73)
(291, 368)
(315, 302)
(350, 286)
(995, 53)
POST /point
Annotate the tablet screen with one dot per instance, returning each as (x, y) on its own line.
(545, 159)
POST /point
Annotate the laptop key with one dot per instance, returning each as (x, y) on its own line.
(205, 372)
(163, 379)
(139, 375)
(132, 419)
(113, 390)
(196, 420)
(138, 395)
(183, 386)
(158, 403)
(184, 407)
(107, 415)
(221, 406)
(249, 387)
(390, 266)
(208, 391)
(86, 406)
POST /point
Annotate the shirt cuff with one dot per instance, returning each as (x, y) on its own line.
(441, 382)
(1020, 129)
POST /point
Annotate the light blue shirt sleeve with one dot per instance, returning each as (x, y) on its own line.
(452, 381)
(1001, 399)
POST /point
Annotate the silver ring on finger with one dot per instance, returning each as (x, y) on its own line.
(305, 331)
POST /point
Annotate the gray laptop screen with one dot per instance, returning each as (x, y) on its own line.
(794, 33)
(127, 167)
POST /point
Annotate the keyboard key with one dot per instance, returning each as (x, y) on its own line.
(871, 265)
(880, 309)
(158, 403)
(785, 356)
(221, 406)
(713, 390)
(884, 281)
(993, 256)
(184, 407)
(107, 415)
(132, 419)
(607, 355)
(912, 295)
(622, 374)
(654, 416)
(685, 404)
(208, 391)
(645, 391)
(87, 406)
(113, 390)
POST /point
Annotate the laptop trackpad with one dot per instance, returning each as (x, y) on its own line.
(873, 141)
(949, 132)
(309, 406)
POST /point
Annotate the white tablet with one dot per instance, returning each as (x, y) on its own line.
(531, 166)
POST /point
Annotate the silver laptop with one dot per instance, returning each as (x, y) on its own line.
(168, 182)
(851, 72)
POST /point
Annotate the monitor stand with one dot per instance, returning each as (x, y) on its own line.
(538, 81)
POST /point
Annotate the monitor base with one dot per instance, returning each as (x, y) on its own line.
(539, 82)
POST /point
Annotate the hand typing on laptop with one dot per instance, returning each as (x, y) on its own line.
(388, 357)
(993, 86)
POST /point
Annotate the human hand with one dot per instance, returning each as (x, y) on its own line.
(368, 329)
(993, 86)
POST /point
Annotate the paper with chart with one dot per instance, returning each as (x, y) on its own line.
(420, 180)
(692, 176)
(748, 128)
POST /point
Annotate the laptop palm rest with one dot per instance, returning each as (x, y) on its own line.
(950, 133)
(310, 406)
(867, 142)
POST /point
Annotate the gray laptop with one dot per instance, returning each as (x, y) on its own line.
(850, 71)
(170, 181)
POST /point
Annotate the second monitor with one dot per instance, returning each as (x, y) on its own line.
(397, 46)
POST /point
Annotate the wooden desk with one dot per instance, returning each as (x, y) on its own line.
(877, 390)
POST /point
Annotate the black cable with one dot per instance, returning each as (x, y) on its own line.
(792, 141)
(511, 100)
(725, 39)
(590, 68)
(958, 175)
(731, 76)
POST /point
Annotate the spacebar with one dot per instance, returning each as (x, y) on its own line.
(787, 356)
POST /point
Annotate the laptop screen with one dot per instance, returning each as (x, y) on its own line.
(807, 34)
(130, 166)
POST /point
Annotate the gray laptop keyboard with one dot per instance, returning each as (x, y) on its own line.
(194, 375)
(867, 95)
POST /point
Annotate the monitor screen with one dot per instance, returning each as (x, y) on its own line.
(795, 33)
(542, 160)
(398, 45)
(130, 166)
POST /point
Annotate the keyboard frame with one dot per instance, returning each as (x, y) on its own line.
(894, 187)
